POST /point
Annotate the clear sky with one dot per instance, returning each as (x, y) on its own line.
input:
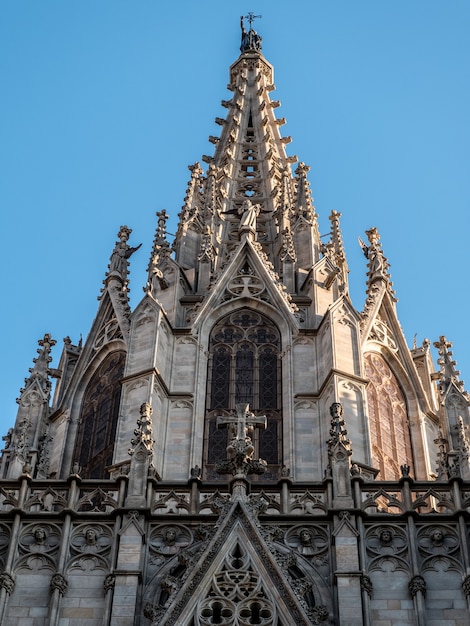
(104, 104)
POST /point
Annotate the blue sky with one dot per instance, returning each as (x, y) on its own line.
(105, 103)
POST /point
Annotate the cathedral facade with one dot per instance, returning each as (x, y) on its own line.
(244, 447)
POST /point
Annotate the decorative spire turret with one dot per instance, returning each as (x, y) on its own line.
(33, 412)
(40, 372)
(448, 373)
(304, 207)
(161, 251)
(334, 250)
(455, 402)
(378, 276)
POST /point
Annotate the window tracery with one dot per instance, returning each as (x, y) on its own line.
(237, 596)
(98, 417)
(388, 419)
(244, 366)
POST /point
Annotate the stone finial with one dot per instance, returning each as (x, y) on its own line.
(378, 265)
(143, 432)
(40, 372)
(447, 367)
(338, 432)
(442, 466)
(287, 252)
(304, 202)
(339, 453)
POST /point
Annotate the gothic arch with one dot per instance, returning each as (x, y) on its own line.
(244, 366)
(388, 409)
(98, 417)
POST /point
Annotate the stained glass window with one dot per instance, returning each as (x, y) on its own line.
(388, 419)
(98, 417)
(244, 366)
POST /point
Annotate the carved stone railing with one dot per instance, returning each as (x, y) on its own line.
(372, 498)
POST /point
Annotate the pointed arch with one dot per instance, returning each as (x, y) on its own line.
(244, 366)
(98, 417)
(388, 419)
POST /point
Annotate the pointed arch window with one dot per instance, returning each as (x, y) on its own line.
(244, 366)
(98, 417)
(388, 419)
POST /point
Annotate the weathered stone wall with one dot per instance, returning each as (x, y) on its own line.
(72, 553)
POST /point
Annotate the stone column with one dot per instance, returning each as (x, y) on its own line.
(348, 574)
(128, 573)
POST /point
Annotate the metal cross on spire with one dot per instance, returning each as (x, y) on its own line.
(251, 17)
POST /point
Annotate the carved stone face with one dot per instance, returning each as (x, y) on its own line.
(437, 537)
(170, 536)
(385, 537)
(40, 535)
(305, 537)
(90, 536)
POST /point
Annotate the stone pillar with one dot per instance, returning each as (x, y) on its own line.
(127, 576)
(348, 574)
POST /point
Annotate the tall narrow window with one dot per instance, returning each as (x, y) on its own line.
(389, 432)
(244, 366)
(98, 417)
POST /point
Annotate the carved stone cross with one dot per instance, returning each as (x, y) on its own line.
(243, 422)
(240, 449)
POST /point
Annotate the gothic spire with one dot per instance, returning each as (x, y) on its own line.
(40, 372)
(448, 373)
(249, 187)
(334, 249)
(378, 276)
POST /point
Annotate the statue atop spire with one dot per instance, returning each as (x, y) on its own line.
(251, 41)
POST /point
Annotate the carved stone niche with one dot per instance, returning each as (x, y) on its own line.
(437, 539)
(91, 539)
(386, 539)
(169, 539)
(39, 538)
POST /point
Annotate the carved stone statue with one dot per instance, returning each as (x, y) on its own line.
(249, 212)
(118, 264)
(250, 39)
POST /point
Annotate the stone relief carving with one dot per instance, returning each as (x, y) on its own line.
(383, 540)
(88, 539)
(308, 541)
(433, 540)
(36, 538)
(169, 540)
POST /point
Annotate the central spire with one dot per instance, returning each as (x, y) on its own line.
(249, 168)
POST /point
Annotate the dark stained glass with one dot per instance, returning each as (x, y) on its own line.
(216, 450)
(98, 417)
(220, 383)
(244, 366)
(268, 442)
(244, 375)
